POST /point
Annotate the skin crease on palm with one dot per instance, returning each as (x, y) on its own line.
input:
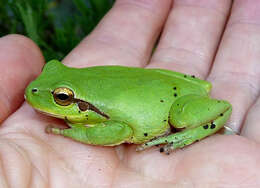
(205, 38)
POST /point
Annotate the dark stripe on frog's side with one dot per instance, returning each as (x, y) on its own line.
(83, 106)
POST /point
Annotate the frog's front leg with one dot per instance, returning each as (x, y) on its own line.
(197, 117)
(108, 133)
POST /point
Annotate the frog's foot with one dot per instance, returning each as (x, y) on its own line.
(170, 143)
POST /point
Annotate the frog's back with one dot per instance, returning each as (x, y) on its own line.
(123, 71)
(134, 73)
(140, 97)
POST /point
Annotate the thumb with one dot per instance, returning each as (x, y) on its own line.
(20, 62)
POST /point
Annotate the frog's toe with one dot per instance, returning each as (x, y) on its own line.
(141, 147)
(48, 129)
(53, 130)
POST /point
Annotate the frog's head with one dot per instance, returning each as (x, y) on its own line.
(55, 93)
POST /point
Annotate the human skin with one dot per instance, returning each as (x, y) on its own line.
(198, 38)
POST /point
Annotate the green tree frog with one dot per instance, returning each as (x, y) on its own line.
(110, 105)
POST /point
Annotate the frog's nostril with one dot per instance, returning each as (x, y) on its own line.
(34, 90)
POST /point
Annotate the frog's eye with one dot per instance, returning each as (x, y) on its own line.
(63, 96)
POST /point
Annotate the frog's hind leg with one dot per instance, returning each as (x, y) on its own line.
(198, 116)
(108, 133)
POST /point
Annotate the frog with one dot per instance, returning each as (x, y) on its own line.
(111, 105)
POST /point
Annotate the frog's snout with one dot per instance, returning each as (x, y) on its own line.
(30, 92)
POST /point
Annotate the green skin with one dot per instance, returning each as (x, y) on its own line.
(115, 104)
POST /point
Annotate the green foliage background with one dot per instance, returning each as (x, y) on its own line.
(57, 26)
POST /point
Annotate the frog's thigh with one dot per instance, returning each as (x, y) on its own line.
(108, 133)
(194, 110)
(200, 116)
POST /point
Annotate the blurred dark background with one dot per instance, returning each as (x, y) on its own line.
(57, 26)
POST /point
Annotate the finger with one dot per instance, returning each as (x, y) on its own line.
(21, 60)
(191, 36)
(251, 128)
(125, 36)
(236, 71)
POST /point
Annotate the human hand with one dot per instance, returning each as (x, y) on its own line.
(191, 42)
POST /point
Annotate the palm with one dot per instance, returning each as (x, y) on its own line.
(29, 156)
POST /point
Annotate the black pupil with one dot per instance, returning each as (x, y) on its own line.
(34, 90)
(63, 97)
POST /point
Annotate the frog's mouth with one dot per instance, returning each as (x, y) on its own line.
(50, 114)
